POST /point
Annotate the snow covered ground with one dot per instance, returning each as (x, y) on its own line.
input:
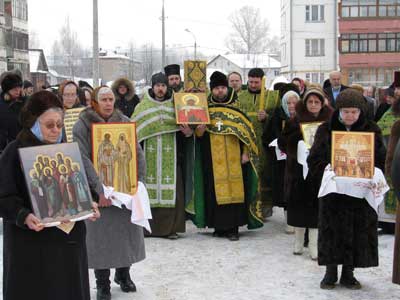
(260, 266)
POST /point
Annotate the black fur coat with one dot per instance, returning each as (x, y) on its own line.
(347, 225)
(302, 203)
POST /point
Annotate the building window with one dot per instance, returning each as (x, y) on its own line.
(315, 13)
(308, 76)
(370, 8)
(371, 76)
(372, 42)
(1, 6)
(20, 9)
(315, 47)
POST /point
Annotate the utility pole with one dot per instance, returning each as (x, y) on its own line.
(95, 44)
(163, 34)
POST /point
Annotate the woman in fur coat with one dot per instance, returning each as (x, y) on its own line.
(347, 225)
(302, 202)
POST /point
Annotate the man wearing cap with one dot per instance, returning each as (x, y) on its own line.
(28, 88)
(162, 140)
(174, 77)
(228, 169)
(11, 103)
(249, 103)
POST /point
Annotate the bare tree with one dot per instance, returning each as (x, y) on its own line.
(249, 31)
(274, 46)
(67, 52)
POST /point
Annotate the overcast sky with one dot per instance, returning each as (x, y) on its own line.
(122, 21)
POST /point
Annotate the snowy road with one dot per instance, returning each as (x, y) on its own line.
(260, 266)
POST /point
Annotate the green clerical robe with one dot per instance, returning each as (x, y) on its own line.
(249, 103)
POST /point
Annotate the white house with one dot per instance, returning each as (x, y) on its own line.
(242, 63)
(309, 33)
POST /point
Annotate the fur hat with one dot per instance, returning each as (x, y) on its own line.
(37, 104)
(218, 79)
(11, 81)
(314, 90)
(350, 98)
(159, 78)
(256, 72)
(172, 70)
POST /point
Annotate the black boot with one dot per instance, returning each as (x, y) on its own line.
(330, 278)
(103, 284)
(124, 280)
(348, 280)
(233, 234)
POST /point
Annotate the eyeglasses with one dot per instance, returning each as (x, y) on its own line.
(50, 126)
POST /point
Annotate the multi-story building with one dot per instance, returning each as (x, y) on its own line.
(369, 42)
(14, 36)
(308, 39)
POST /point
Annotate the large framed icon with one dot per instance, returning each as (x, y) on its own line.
(353, 154)
(191, 108)
(57, 183)
(114, 155)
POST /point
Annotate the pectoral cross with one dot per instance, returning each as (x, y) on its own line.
(219, 124)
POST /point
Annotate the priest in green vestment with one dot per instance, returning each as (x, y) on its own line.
(226, 189)
(162, 140)
(250, 104)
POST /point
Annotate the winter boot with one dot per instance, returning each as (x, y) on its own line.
(124, 280)
(298, 240)
(330, 278)
(289, 229)
(348, 280)
(313, 243)
(103, 284)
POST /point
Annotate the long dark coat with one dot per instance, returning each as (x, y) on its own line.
(37, 265)
(271, 132)
(347, 225)
(392, 167)
(301, 199)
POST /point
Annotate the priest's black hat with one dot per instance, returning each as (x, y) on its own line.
(172, 70)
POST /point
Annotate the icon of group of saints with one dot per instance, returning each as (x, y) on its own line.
(109, 156)
(58, 186)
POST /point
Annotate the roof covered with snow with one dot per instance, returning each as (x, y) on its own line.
(244, 61)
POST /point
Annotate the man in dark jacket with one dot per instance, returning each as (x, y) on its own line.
(335, 87)
(11, 103)
(125, 97)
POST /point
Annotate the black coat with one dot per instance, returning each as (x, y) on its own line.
(347, 225)
(9, 120)
(37, 265)
(328, 92)
(301, 199)
(271, 132)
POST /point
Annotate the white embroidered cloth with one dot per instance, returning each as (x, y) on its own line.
(373, 190)
(139, 204)
(279, 154)
(302, 154)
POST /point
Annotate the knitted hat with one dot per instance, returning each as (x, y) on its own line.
(159, 78)
(313, 90)
(37, 104)
(11, 81)
(218, 79)
(350, 98)
(172, 70)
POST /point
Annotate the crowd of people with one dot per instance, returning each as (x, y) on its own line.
(222, 175)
